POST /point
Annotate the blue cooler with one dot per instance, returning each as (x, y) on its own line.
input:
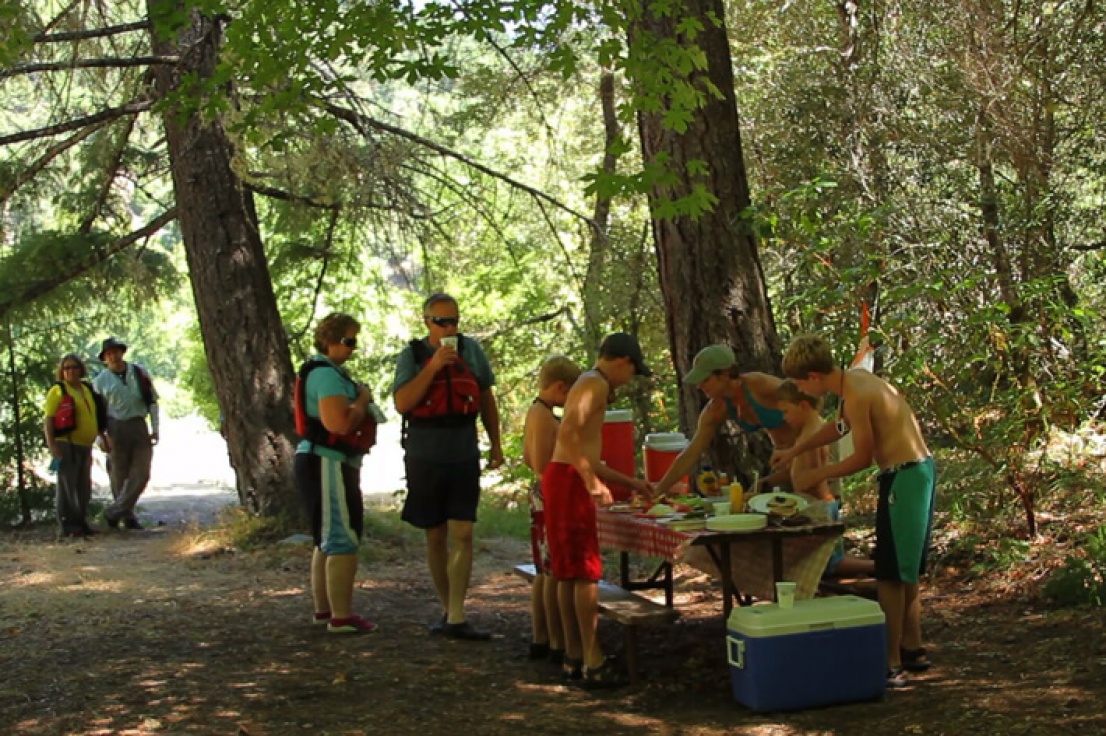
(819, 652)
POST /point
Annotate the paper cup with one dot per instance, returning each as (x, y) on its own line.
(785, 594)
(722, 508)
(451, 341)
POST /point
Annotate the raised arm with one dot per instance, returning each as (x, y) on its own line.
(709, 420)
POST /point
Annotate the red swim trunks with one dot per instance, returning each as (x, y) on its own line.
(570, 525)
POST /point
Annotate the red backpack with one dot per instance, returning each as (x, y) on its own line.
(65, 418)
(358, 442)
(453, 398)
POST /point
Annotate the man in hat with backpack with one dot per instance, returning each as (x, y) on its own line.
(131, 397)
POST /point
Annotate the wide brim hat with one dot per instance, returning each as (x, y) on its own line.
(111, 343)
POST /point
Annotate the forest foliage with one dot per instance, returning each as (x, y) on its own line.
(942, 165)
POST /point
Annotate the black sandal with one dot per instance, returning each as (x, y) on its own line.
(572, 669)
(606, 675)
(914, 660)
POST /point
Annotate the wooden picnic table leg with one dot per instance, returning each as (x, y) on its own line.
(668, 584)
(777, 562)
(624, 569)
(725, 570)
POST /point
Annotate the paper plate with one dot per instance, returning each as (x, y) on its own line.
(737, 523)
(683, 525)
(760, 501)
(622, 508)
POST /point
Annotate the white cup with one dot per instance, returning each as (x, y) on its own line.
(785, 594)
(722, 508)
(450, 340)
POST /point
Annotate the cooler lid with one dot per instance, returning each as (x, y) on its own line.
(619, 415)
(816, 614)
(666, 441)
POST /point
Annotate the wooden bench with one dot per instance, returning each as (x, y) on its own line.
(629, 609)
(865, 587)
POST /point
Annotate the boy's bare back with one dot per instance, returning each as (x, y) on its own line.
(580, 436)
(874, 408)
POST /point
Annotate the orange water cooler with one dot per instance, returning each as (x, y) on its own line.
(661, 450)
(618, 448)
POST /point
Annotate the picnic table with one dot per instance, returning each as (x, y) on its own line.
(748, 564)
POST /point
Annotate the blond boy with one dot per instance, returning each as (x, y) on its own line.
(885, 432)
(539, 437)
(801, 412)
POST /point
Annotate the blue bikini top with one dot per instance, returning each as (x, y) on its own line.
(768, 418)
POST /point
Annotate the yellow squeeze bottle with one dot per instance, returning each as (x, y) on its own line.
(737, 498)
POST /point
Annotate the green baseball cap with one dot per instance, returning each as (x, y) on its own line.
(710, 359)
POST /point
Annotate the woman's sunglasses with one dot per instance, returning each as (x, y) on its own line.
(349, 342)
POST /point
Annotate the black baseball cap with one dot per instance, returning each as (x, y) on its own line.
(624, 345)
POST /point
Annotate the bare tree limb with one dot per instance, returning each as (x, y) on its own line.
(131, 108)
(66, 36)
(360, 122)
(44, 160)
(73, 269)
(102, 63)
(1086, 247)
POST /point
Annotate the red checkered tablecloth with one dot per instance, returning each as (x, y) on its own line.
(804, 556)
(628, 533)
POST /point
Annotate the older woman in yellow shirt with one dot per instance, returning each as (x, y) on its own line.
(72, 449)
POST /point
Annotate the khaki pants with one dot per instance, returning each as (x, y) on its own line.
(131, 455)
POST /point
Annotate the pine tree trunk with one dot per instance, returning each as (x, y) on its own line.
(247, 351)
(710, 272)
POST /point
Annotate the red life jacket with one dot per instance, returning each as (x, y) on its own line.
(358, 442)
(453, 398)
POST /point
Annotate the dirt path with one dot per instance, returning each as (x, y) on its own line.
(159, 632)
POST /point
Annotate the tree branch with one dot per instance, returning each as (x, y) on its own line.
(73, 269)
(359, 122)
(131, 108)
(44, 160)
(102, 63)
(274, 193)
(1100, 245)
(90, 33)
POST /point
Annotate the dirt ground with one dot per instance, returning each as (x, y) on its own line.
(164, 632)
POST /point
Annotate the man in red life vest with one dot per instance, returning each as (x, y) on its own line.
(443, 382)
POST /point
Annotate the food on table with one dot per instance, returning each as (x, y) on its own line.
(783, 506)
(707, 481)
(660, 509)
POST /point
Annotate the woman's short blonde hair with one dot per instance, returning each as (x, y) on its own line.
(557, 368)
(331, 329)
(807, 354)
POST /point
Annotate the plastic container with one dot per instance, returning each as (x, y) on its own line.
(618, 448)
(819, 652)
(661, 449)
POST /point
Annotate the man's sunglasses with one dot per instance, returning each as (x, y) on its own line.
(445, 321)
(349, 342)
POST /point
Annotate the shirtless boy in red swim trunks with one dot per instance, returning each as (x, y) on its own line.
(572, 486)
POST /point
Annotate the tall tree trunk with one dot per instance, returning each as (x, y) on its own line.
(245, 343)
(710, 272)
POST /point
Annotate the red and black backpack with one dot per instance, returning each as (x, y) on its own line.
(358, 442)
(65, 418)
(453, 398)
